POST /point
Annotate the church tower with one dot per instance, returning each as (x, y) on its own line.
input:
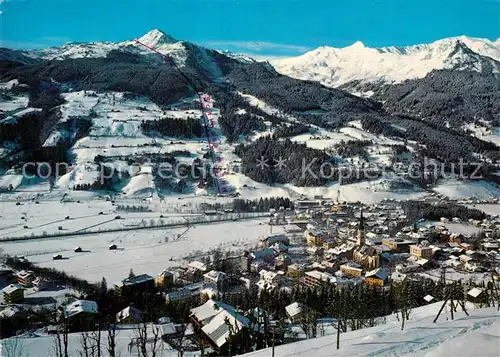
(361, 230)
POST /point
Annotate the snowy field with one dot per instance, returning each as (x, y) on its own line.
(146, 251)
(456, 189)
(466, 336)
(460, 228)
(491, 209)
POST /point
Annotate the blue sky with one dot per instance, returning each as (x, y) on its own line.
(262, 27)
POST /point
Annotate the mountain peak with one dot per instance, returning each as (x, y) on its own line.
(357, 45)
(156, 37)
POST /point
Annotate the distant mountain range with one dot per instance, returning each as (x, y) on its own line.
(347, 67)
(357, 64)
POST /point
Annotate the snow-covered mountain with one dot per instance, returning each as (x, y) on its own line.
(335, 67)
(155, 38)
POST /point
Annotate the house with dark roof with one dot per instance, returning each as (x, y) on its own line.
(138, 283)
(377, 277)
(13, 293)
(129, 315)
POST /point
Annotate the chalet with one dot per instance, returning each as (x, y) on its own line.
(424, 263)
(143, 282)
(257, 265)
(429, 298)
(25, 278)
(217, 319)
(197, 265)
(408, 268)
(314, 237)
(271, 277)
(12, 312)
(218, 278)
(81, 314)
(477, 296)
(178, 295)
(203, 314)
(195, 270)
(316, 278)
(266, 254)
(113, 247)
(420, 251)
(129, 316)
(351, 269)
(191, 290)
(164, 278)
(295, 270)
(466, 259)
(296, 311)
(377, 277)
(170, 331)
(283, 261)
(13, 293)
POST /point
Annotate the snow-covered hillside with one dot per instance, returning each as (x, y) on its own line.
(337, 66)
(474, 335)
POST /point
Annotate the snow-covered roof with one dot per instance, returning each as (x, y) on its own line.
(129, 312)
(428, 298)
(210, 309)
(138, 279)
(198, 265)
(215, 275)
(422, 261)
(315, 274)
(474, 292)
(295, 309)
(10, 311)
(218, 330)
(397, 276)
(380, 273)
(11, 288)
(80, 306)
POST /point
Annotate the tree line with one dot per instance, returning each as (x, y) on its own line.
(416, 210)
(188, 128)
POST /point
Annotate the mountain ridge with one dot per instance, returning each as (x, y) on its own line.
(335, 67)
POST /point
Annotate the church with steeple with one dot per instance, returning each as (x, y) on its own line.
(365, 255)
(361, 231)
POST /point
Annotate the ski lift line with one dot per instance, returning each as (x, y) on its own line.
(170, 61)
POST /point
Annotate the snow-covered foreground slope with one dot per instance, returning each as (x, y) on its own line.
(474, 335)
(337, 66)
(40, 344)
